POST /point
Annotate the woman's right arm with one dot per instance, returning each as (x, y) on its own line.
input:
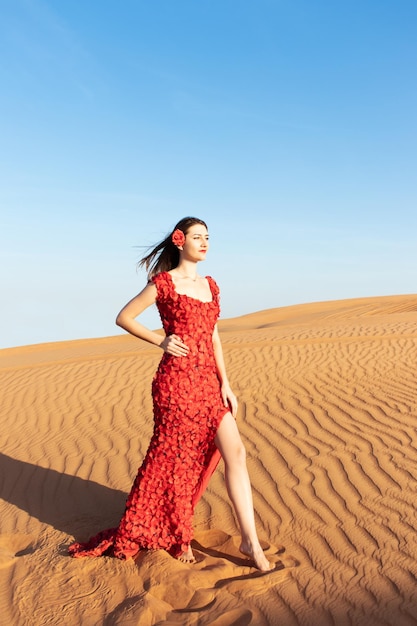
(127, 320)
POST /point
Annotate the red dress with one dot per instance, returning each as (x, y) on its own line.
(182, 454)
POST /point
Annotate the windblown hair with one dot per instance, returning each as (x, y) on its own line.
(165, 255)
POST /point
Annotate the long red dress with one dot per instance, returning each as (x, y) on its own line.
(182, 454)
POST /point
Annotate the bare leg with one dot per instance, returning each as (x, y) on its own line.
(230, 445)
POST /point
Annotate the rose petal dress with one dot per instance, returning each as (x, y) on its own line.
(182, 454)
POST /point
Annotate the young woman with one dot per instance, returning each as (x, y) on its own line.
(194, 411)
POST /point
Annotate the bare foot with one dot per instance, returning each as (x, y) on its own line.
(257, 555)
(187, 557)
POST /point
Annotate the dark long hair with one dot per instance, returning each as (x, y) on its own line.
(165, 255)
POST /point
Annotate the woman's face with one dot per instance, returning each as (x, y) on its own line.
(196, 243)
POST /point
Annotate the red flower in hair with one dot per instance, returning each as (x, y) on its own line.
(178, 237)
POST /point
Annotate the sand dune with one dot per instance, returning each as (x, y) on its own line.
(328, 412)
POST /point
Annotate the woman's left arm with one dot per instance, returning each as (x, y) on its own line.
(228, 396)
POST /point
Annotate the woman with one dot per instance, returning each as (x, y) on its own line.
(194, 411)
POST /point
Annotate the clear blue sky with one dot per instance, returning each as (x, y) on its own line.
(289, 126)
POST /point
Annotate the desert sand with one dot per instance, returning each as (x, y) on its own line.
(328, 413)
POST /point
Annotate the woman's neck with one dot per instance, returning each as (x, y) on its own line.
(187, 269)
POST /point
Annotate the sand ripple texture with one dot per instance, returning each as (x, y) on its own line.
(328, 413)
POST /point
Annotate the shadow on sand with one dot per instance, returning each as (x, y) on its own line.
(71, 504)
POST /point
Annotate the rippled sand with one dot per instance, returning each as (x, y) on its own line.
(328, 412)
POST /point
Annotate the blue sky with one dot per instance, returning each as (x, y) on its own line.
(289, 126)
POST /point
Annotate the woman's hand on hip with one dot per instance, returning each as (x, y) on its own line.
(174, 345)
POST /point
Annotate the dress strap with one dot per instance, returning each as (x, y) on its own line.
(163, 284)
(214, 288)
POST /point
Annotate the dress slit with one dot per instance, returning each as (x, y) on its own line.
(209, 469)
